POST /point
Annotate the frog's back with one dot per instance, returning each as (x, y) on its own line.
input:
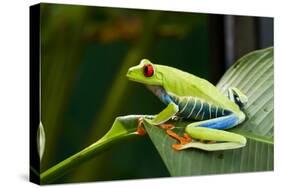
(181, 83)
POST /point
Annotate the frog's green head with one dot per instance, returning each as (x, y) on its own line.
(145, 73)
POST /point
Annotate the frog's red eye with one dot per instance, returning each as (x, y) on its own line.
(148, 70)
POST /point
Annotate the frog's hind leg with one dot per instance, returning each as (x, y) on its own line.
(213, 130)
(237, 96)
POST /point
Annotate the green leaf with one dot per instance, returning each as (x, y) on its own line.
(252, 74)
(123, 127)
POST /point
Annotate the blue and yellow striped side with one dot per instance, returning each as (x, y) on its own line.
(198, 109)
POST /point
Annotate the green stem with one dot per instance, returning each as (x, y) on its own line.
(61, 168)
(123, 127)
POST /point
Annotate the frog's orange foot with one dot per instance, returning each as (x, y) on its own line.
(140, 128)
(187, 137)
(166, 126)
(183, 140)
(177, 146)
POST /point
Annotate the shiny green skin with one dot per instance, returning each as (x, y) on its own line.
(181, 84)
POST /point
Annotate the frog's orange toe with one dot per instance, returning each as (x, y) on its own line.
(167, 126)
(140, 129)
(187, 137)
(183, 140)
(173, 134)
(177, 146)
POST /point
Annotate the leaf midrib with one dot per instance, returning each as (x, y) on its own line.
(255, 137)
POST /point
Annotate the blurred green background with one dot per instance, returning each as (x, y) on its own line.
(85, 54)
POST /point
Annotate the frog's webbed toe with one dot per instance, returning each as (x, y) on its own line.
(183, 140)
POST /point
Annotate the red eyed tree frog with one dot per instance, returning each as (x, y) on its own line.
(190, 97)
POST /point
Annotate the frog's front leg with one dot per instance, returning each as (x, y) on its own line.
(212, 130)
(164, 115)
